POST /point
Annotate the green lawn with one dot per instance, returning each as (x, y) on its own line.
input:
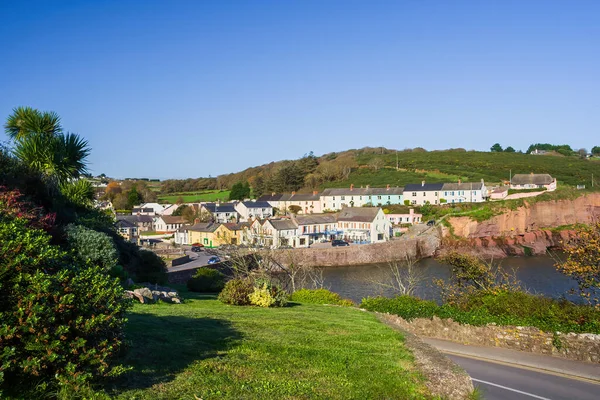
(195, 197)
(210, 350)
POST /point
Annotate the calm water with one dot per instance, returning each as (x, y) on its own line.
(536, 274)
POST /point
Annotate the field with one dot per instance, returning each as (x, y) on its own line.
(207, 350)
(195, 197)
(450, 165)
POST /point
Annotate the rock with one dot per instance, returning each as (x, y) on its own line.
(146, 294)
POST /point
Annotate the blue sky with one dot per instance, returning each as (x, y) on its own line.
(175, 89)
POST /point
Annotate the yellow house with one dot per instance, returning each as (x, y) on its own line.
(204, 233)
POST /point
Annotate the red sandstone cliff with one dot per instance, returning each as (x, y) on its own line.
(524, 230)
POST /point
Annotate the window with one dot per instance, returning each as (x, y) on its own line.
(333, 198)
(380, 236)
(414, 194)
(389, 197)
(436, 193)
(435, 202)
(378, 197)
(424, 194)
(413, 202)
(343, 198)
(333, 205)
(302, 241)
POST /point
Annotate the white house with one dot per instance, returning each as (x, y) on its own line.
(182, 236)
(364, 224)
(425, 193)
(338, 198)
(282, 231)
(149, 209)
(316, 228)
(222, 212)
(533, 181)
(468, 192)
(253, 209)
(410, 218)
(169, 209)
(168, 223)
(308, 203)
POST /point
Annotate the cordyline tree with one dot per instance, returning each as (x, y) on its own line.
(583, 262)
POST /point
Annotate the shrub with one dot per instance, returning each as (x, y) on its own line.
(279, 296)
(206, 280)
(62, 321)
(320, 296)
(261, 296)
(91, 246)
(504, 308)
(237, 292)
(405, 306)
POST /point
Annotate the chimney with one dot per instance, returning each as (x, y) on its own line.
(352, 186)
(411, 211)
(482, 180)
(387, 187)
(367, 186)
(422, 183)
(315, 192)
(273, 194)
(293, 193)
(196, 221)
(459, 181)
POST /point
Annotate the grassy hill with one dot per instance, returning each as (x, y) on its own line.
(450, 165)
(377, 167)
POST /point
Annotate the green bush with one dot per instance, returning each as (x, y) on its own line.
(62, 320)
(237, 292)
(504, 308)
(320, 296)
(405, 306)
(206, 280)
(275, 292)
(91, 246)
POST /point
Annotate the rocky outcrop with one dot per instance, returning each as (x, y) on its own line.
(152, 293)
(529, 218)
(530, 243)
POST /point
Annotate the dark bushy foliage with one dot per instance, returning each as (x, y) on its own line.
(504, 308)
(206, 280)
(320, 296)
(237, 292)
(91, 246)
(62, 321)
(153, 268)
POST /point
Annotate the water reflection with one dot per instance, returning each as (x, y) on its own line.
(537, 275)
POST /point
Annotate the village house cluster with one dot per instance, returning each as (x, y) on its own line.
(301, 219)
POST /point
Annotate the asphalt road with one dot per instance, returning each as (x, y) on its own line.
(498, 381)
(196, 260)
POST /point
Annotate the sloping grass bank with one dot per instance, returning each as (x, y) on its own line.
(206, 349)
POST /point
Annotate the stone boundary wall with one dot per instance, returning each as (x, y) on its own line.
(180, 260)
(375, 253)
(572, 346)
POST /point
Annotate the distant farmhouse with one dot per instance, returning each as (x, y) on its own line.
(533, 181)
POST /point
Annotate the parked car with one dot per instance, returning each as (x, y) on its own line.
(338, 242)
(214, 260)
(431, 222)
(197, 249)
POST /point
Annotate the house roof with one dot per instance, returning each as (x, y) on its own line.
(123, 223)
(358, 214)
(311, 219)
(283, 224)
(423, 187)
(204, 227)
(169, 219)
(362, 191)
(257, 204)
(135, 219)
(532, 179)
(236, 227)
(463, 186)
(501, 189)
(224, 207)
(270, 197)
(144, 210)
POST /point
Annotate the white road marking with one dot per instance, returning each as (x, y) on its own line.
(511, 389)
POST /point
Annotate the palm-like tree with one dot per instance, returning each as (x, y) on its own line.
(40, 143)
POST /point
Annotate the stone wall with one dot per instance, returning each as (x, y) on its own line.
(579, 347)
(180, 260)
(423, 246)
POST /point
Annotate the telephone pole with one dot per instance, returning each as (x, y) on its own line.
(397, 160)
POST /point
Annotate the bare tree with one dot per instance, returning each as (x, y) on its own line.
(377, 163)
(406, 275)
